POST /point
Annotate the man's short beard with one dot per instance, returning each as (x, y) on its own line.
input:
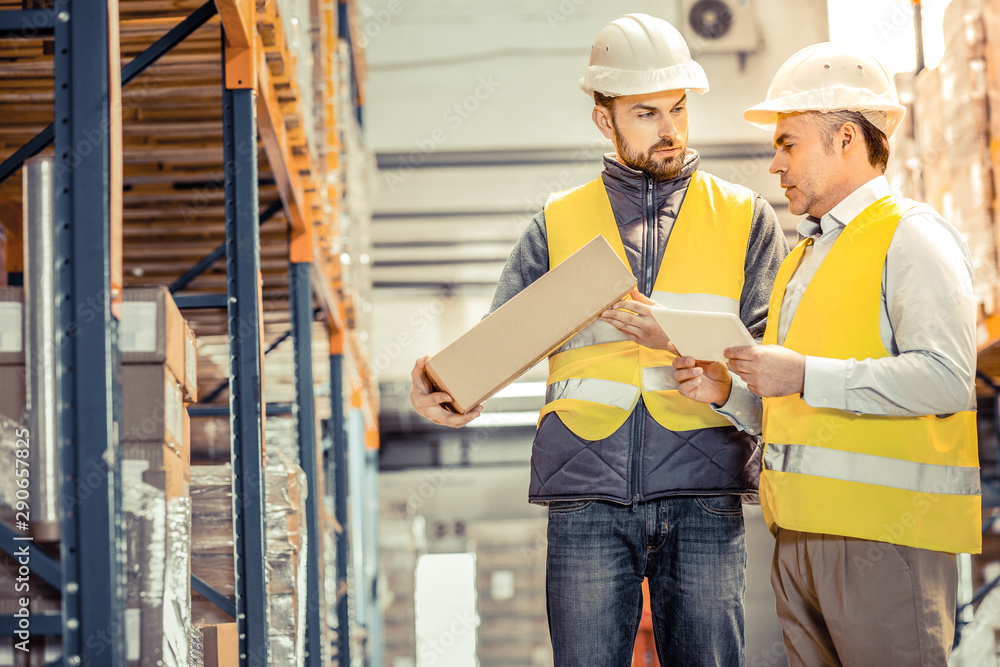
(645, 162)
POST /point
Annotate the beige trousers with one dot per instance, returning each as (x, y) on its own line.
(844, 601)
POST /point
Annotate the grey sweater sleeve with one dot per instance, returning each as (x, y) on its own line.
(528, 261)
(765, 251)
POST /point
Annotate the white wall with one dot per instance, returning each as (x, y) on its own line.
(504, 74)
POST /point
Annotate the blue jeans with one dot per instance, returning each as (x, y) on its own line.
(692, 549)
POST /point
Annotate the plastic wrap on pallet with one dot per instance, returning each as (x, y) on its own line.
(9, 430)
(197, 644)
(211, 510)
(212, 537)
(286, 497)
(177, 585)
(283, 650)
(145, 560)
(282, 608)
(282, 571)
(212, 490)
(282, 438)
(212, 557)
(286, 488)
(300, 597)
(286, 645)
(158, 603)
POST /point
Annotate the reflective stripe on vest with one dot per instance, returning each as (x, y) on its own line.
(912, 481)
(659, 378)
(597, 332)
(872, 469)
(714, 219)
(616, 394)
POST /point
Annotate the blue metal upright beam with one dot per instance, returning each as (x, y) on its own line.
(239, 120)
(91, 549)
(300, 288)
(338, 433)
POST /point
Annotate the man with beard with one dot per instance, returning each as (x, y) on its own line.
(640, 481)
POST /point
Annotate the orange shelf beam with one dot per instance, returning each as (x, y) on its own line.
(300, 193)
(239, 23)
(988, 332)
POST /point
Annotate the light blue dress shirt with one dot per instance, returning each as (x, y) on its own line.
(927, 322)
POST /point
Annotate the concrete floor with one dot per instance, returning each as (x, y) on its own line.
(764, 647)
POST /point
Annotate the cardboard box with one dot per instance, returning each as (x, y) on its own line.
(161, 465)
(190, 384)
(13, 393)
(152, 331)
(220, 645)
(530, 326)
(152, 409)
(12, 330)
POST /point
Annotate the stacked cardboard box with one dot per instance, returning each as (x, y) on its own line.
(158, 376)
(952, 120)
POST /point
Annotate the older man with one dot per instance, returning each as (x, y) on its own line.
(871, 479)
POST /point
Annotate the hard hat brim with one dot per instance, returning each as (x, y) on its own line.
(765, 114)
(617, 83)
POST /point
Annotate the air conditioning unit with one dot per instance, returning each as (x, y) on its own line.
(720, 26)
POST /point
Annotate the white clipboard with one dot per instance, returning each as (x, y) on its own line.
(702, 335)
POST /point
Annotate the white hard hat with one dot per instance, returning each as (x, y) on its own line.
(831, 77)
(639, 54)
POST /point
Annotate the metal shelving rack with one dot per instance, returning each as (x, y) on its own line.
(88, 214)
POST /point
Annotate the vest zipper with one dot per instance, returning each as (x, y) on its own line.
(650, 259)
(646, 288)
(637, 432)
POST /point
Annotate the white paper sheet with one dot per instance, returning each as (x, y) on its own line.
(703, 335)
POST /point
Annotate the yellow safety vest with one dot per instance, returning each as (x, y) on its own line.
(596, 378)
(912, 481)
